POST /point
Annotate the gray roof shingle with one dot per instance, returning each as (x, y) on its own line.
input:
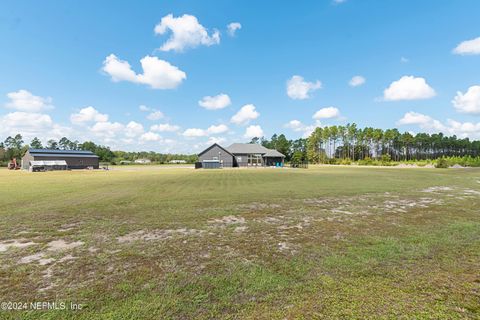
(246, 148)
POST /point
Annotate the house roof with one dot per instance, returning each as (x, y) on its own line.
(274, 153)
(242, 148)
(213, 145)
(246, 148)
(56, 151)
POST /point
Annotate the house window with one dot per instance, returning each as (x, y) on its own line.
(254, 159)
(239, 159)
(214, 158)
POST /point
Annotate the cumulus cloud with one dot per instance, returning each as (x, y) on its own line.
(233, 27)
(221, 128)
(158, 74)
(452, 127)
(245, 115)
(299, 89)
(213, 129)
(133, 129)
(218, 140)
(144, 108)
(31, 125)
(150, 137)
(327, 113)
(88, 114)
(254, 131)
(356, 81)
(468, 102)
(468, 47)
(164, 127)
(186, 32)
(23, 100)
(107, 129)
(298, 126)
(424, 121)
(295, 125)
(408, 88)
(194, 133)
(219, 101)
(155, 115)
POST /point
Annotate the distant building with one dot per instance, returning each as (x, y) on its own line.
(240, 155)
(74, 159)
(177, 161)
(143, 161)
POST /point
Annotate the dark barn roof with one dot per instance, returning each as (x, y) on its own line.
(61, 153)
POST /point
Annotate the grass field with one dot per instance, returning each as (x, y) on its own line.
(327, 243)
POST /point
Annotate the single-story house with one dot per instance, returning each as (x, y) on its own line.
(177, 161)
(241, 155)
(143, 161)
(74, 159)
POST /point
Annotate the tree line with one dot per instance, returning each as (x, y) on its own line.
(350, 142)
(333, 143)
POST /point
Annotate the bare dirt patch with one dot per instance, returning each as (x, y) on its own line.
(437, 189)
(40, 257)
(15, 243)
(228, 220)
(159, 234)
(61, 245)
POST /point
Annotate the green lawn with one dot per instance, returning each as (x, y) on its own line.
(165, 243)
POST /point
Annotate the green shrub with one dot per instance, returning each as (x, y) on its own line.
(442, 163)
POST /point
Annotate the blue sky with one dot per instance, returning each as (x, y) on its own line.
(74, 69)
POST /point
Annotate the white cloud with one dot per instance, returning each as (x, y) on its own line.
(404, 60)
(194, 132)
(158, 74)
(468, 47)
(327, 113)
(468, 102)
(88, 114)
(253, 131)
(408, 88)
(107, 129)
(23, 100)
(245, 115)
(217, 140)
(356, 81)
(144, 108)
(298, 88)
(298, 126)
(233, 27)
(187, 32)
(217, 129)
(219, 101)
(155, 115)
(150, 137)
(26, 121)
(452, 127)
(339, 1)
(416, 118)
(31, 125)
(164, 127)
(295, 125)
(133, 129)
